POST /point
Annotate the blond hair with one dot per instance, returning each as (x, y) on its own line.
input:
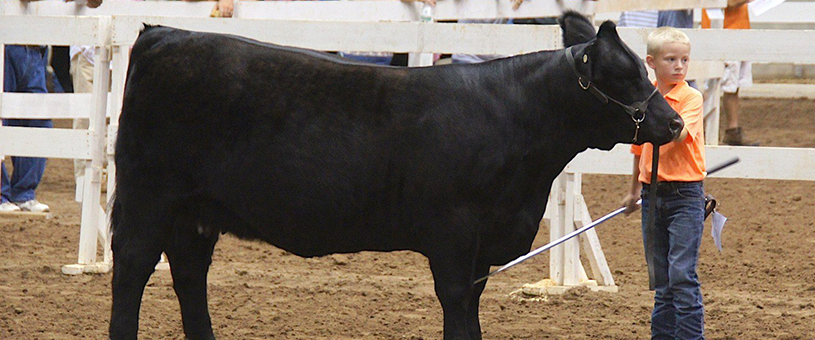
(665, 35)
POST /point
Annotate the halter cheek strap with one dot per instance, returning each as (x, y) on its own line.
(636, 111)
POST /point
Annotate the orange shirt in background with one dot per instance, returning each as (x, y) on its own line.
(734, 18)
(679, 161)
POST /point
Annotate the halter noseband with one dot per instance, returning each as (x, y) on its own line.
(636, 110)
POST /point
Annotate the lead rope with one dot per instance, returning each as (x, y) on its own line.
(650, 226)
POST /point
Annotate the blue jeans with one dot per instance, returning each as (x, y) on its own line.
(680, 212)
(24, 72)
(677, 18)
(370, 59)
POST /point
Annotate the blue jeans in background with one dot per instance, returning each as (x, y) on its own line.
(24, 71)
(680, 213)
(682, 18)
(368, 58)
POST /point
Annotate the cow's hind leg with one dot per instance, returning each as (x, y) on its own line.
(137, 247)
(473, 324)
(190, 254)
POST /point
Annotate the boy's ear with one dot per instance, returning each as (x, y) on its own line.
(650, 61)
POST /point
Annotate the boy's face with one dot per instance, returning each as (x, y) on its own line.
(671, 63)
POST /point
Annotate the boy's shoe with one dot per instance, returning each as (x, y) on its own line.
(9, 207)
(735, 136)
(34, 206)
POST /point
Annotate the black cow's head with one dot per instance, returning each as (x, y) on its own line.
(612, 82)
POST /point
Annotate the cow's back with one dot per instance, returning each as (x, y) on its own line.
(279, 142)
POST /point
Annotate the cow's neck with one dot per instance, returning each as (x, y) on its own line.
(550, 98)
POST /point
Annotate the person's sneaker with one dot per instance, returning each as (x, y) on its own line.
(735, 137)
(9, 207)
(34, 206)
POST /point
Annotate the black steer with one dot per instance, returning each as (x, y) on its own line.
(317, 155)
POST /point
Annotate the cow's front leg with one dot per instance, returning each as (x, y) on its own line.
(452, 268)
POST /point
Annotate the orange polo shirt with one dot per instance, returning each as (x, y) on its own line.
(737, 18)
(679, 161)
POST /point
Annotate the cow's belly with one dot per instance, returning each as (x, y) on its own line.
(512, 234)
(501, 249)
(313, 219)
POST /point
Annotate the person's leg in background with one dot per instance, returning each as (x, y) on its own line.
(28, 171)
(82, 76)
(24, 72)
(61, 62)
(736, 75)
(730, 102)
(9, 85)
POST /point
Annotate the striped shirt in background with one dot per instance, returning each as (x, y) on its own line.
(639, 19)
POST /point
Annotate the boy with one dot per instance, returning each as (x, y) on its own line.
(678, 312)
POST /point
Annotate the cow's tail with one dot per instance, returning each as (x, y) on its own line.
(115, 209)
(149, 37)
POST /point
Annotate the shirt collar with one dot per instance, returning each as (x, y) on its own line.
(675, 93)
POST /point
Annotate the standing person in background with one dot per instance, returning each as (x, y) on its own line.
(737, 74)
(24, 71)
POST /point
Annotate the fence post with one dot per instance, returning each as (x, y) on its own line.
(571, 248)
(94, 221)
(555, 231)
(712, 100)
(422, 59)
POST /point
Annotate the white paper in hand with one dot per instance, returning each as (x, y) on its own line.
(760, 7)
(716, 230)
(715, 13)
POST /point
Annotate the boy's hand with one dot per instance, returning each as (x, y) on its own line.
(630, 203)
(225, 8)
(682, 135)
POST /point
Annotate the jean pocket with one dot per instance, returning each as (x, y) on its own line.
(690, 192)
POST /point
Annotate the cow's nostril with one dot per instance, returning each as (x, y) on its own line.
(676, 126)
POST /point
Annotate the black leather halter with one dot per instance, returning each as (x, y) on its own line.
(636, 110)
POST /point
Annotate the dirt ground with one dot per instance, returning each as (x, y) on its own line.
(762, 286)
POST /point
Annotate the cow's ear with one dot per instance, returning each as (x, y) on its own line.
(608, 30)
(577, 29)
(608, 39)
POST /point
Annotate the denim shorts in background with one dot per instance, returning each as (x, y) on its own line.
(680, 212)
